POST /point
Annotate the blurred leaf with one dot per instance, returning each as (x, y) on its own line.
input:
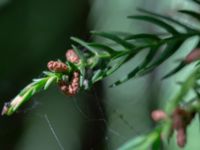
(175, 70)
(118, 55)
(144, 142)
(171, 48)
(133, 73)
(191, 13)
(100, 74)
(25, 97)
(114, 38)
(133, 143)
(103, 47)
(79, 53)
(86, 45)
(97, 75)
(116, 66)
(152, 138)
(47, 73)
(83, 64)
(156, 21)
(198, 117)
(49, 82)
(4, 3)
(151, 37)
(197, 1)
(187, 85)
(166, 18)
(157, 144)
(127, 77)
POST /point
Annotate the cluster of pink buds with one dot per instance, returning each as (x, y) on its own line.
(180, 120)
(71, 56)
(57, 66)
(72, 88)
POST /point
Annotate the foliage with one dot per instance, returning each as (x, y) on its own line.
(99, 60)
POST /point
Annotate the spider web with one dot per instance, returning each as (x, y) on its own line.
(109, 130)
(85, 113)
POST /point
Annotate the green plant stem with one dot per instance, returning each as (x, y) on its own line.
(186, 86)
(33, 88)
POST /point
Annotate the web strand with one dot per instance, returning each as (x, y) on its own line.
(53, 132)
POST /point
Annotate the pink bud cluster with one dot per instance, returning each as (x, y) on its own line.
(71, 56)
(57, 66)
(72, 88)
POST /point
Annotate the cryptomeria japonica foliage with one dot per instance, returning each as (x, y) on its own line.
(82, 69)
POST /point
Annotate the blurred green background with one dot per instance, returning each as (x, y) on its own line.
(32, 32)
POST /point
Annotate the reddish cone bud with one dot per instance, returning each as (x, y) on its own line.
(71, 56)
(158, 115)
(57, 66)
(181, 137)
(72, 88)
(193, 56)
(181, 119)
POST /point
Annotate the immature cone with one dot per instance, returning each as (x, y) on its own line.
(181, 119)
(72, 57)
(193, 56)
(72, 88)
(181, 137)
(158, 115)
(57, 66)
